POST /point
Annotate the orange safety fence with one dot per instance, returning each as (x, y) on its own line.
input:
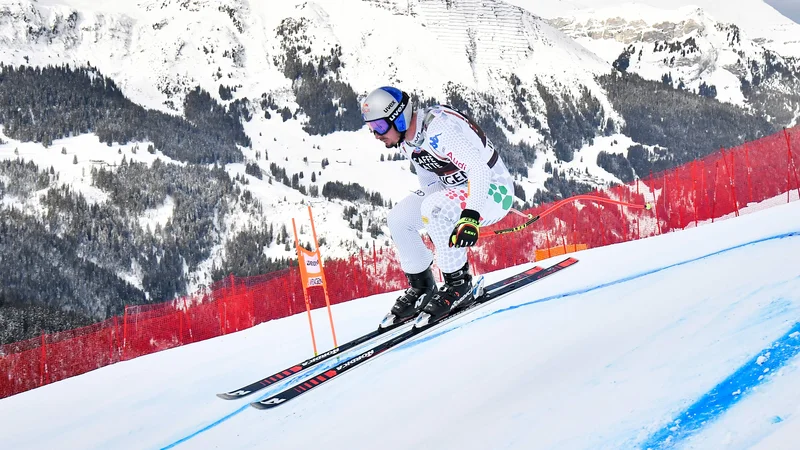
(718, 185)
(545, 253)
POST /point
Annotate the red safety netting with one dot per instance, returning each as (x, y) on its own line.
(718, 185)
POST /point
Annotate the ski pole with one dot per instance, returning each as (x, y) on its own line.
(532, 219)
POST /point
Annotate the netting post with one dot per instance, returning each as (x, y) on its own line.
(623, 224)
(789, 166)
(694, 190)
(714, 197)
(638, 223)
(655, 202)
(115, 341)
(364, 272)
(603, 229)
(733, 182)
(678, 187)
(289, 302)
(729, 172)
(703, 188)
(125, 334)
(547, 237)
(111, 342)
(180, 326)
(221, 314)
(43, 361)
(749, 174)
(574, 225)
(374, 260)
(664, 196)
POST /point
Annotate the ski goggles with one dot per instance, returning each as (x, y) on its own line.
(379, 126)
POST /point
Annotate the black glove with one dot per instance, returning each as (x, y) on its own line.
(465, 234)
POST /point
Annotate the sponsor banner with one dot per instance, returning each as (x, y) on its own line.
(310, 268)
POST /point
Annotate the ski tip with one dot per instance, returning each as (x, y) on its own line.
(568, 262)
(268, 403)
(234, 395)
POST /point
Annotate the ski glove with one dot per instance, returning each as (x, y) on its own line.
(465, 234)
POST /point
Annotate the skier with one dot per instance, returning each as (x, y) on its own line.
(463, 184)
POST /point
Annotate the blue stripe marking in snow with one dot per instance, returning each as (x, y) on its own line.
(594, 288)
(501, 311)
(727, 393)
(207, 427)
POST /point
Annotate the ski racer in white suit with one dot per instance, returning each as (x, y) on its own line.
(463, 184)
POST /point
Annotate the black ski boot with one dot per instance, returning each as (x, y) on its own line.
(455, 294)
(408, 305)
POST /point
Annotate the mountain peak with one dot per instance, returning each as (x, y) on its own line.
(754, 17)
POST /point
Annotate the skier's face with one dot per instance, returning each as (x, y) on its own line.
(390, 139)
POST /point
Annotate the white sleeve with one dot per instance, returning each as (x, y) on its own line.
(428, 181)
(464, 149)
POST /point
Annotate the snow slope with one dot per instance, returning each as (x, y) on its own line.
(701, 326)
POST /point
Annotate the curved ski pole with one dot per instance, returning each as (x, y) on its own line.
(532, 219)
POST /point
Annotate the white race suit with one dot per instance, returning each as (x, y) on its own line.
(458, 168)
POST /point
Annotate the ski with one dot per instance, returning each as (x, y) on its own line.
(492, 292)
(311, 362)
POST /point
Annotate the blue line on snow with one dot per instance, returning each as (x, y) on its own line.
(501, 311)
(727, 393)
(593, 288)
(207, 427)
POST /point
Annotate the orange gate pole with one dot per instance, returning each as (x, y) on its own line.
(305, 293)
(322, 272)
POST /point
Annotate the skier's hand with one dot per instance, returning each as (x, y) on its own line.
(465, 234)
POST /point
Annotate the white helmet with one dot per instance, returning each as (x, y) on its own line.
(387, 107)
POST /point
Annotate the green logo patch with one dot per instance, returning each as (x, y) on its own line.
(500, 195)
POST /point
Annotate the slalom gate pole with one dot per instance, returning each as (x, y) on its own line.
(301, 268)
(322, 272)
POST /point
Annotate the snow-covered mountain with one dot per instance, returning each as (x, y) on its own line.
(535, 79)
(160, 49)
(157, 51)
(688, 48)
(756, 18)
